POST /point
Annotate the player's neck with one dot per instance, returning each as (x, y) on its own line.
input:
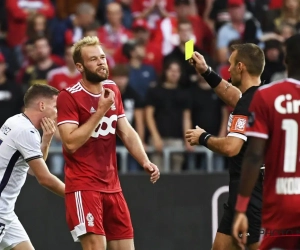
(249, 82)
(93, 88)
(34, 117)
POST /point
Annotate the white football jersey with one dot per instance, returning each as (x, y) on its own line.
(20, 142)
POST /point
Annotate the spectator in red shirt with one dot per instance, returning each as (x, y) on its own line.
(113, 34)
(141, 33)
(17, 15)
(65, 76)
(152, 10)
(275, 4)
(187, 9)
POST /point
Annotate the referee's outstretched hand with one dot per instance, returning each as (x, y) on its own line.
(198, 62)
(106, 100)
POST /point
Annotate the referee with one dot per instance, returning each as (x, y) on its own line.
(247, 62)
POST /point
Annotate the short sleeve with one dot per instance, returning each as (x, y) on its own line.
(28, 143)
(67, 110)
(120, 107)
(257, 123)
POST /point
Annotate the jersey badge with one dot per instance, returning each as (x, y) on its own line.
(113, 107)
(238, 124)
(5, 130)
(90, 219)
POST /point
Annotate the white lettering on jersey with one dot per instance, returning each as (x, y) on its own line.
(290, 107)
(108, 121)
(288, 185)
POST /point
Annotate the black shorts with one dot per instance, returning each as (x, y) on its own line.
(253, 212)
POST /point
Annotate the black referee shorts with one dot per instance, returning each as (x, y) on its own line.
(253, 212)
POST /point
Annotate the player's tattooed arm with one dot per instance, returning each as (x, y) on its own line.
(252, 162)
(225, 91)
(228, 93)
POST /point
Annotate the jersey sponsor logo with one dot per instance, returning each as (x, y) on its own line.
(288, 185)
(90, 219)
(5, 130)
(238, 124)
(105, 126)
(285, 105)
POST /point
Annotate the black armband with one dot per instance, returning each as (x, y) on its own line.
(211, 77)
(204, 138)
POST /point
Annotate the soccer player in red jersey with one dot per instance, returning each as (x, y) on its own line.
(273, 131)
(90, 114)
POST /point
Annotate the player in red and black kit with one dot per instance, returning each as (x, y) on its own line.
(246, 65)
(273, 133)
(90, 115)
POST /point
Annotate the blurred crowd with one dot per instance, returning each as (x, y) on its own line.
(144, 44)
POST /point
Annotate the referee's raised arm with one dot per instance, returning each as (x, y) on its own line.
(225, 91)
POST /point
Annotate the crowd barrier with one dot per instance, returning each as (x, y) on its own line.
(167, 152)
(179, 212)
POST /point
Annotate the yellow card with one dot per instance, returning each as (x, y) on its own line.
(189, 49)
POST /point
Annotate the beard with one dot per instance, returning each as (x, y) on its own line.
(93, 77)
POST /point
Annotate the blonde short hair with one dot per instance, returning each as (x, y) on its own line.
(84, 42)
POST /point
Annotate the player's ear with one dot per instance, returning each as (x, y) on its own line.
(79, 67)
(240, 66)
(41, 106)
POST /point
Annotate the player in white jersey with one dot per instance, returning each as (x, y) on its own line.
(22, 150)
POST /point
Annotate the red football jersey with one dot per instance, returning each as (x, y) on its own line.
(61, 78)
(275, 117)
(94, 165)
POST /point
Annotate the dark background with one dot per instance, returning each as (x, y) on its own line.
(173, 214)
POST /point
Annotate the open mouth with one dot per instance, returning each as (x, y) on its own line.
(103, 70)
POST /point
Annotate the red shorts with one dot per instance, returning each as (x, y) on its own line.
(99, 213)
(281, 239)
